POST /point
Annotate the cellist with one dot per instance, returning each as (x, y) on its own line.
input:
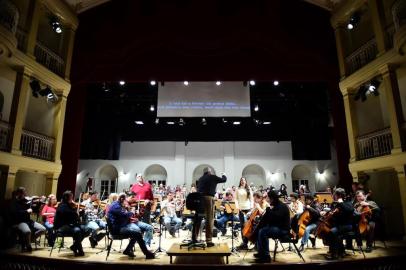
(368, 212)
(313, 207)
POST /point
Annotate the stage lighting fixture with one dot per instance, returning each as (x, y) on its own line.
(152, 83)
(353, 22)
(181, 122)
(237, 123)
(224, 120)
(186, 83)
(139, 122)
(373, 87)
(252, 82)
(52, 97)
(152, 108)
(156, 121)
(203, 122)
(276, 83)
(170, 123)
(218, 83)
(256, 108)
(266, 123)
(122, 83)
(56, 25)
(45, 92)
(35, 87)
(257, 122)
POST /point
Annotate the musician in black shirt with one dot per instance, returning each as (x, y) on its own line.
(275, 223)
(207, 187)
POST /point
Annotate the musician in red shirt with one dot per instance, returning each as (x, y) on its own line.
(143, 191)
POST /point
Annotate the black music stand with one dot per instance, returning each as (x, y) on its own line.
(233, 208)
(160, 249)
(194, 202)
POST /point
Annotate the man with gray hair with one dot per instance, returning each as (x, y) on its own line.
(207, 187)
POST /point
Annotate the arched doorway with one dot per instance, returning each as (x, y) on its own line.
(301, 175)
(155, 174)
(198, 172)
(106, 181)
(255, 175)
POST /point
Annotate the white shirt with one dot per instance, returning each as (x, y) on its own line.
(244, 202)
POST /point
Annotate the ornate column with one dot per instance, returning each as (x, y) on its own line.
(377, 13)
(339, 35)
(51, 183)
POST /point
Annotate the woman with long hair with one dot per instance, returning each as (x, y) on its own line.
(48, 215)
(244, 203)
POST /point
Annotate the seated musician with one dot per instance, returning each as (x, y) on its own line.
(20, 213)
(67, 221)
(48, 215)
(119, 223)
(314, 208)
(221, 222)
(296, 207)
(260, 202)
(371, 216)
(170, 219)
(342, 223)
(275, 224)
(93, 216)
(112, 198)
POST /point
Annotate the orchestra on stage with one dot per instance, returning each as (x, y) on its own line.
(251, 216)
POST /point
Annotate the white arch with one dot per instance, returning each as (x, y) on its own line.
(302, 172)
(255, 174)
(155, 172)
(198, 172)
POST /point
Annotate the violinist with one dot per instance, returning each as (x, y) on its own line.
(313, 208)
(48, 215)
(143, 191)
(368, 212)
(221, 222)
(168, 208)
(342, 219)
(119, 221)
(67, 221)
(92, 217)
(20, 212)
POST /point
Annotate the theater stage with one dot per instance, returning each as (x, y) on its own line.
(393, 254)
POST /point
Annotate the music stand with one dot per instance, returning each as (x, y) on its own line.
(160, 249)
(194, 202)
(233, 210)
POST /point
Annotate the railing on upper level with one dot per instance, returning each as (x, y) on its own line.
(9, 15)
(37, 145)
(399, 13)
(375, 144)
(4, 136)
(49, 59)
(21, 36)
(361, 56)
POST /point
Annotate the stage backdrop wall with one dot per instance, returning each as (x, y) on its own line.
(265, 163)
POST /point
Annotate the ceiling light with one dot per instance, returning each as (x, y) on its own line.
(203, 122)
(224, 120)
(170, 122)
(218, 83)
(56, 25)
(266, 123)
(122, 83)
(186, 83)
(152, 83)
(139, 122)
(156, 121)
(105, 88)
(181, 122)
(276, 83)
(354, 20)
(256, 108)
(152, 108)
(237, 123)
(252, 82)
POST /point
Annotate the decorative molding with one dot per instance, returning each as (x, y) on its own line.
(378, 163)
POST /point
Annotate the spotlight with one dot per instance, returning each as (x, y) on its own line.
(266, 123)
(353, 22)
(156, 121)
(203, 122)
(152, 83)
(237, 123)
(373, 87)
(256, 108)
(105, 88)
(257, 122)
(152, 108)
(224, 120)
(52, 97)
(170, 123)
(186, 83)
(46, 91)
(276, 83)
(35, 87)
(218, 83)
(252, 82)
(122, 83)
(56, 25)
(181, 122)
(139, 122)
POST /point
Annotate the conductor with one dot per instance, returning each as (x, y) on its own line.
(207, 187)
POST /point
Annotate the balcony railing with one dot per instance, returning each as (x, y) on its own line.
(375, 144)
(49, 59)
(4, 136)
(21, 36)
(361, 56)
(9, 15)
(37, 145)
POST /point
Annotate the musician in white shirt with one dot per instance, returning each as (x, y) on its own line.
(168, 209)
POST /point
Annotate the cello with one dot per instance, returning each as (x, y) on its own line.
(325, 225)
(249, 227)
(303, 221)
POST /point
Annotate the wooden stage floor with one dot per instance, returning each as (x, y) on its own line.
(311, 255)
